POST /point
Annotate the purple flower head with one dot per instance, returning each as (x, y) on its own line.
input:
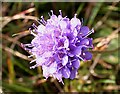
(58, 46)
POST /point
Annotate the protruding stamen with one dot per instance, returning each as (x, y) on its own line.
(28, 49)
(42, 17)
(49, 14)
(81, 58)
(22, 45)
(33, 61)
(30, 56)
(29, 45)
(90, 32)
(60, 12)
(75, 15)
(52, 12)
(82, 22)
(65, 17)
(42, 20)
(34, 26)
(15, 34)
(38, 21)
(61, 67)
(33, 33)
(33, 67)
(30, 29)
(78, 27)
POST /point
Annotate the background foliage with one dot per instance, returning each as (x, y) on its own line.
(102, 73)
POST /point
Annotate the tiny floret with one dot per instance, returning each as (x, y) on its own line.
(59, 45)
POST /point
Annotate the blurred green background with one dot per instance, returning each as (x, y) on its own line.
(101, 74)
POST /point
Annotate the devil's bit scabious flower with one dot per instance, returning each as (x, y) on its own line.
(59, 45)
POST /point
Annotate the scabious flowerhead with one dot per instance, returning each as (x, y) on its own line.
(59, 45)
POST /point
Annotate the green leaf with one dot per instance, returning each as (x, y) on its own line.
(80, 8)
(15, 87)
(94, 13)
(106, 81)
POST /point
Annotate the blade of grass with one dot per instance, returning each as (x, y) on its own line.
(20, 65)
(15, 87)
(106, 81)
(80, 8)
(11, 70)
(94, 13)
(13, 9)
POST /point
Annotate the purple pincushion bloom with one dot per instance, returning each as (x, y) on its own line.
(59, 45)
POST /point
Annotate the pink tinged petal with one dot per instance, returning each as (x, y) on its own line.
(73, 73)
(60, 17)
(65, 72)
(76, 63)
(63, 24)
(38, 40)
(66, 43)
(58, 75)
(74, 22)
(52, 70)
(54, 17)
(56, 33)
(45, 71)
(40, 60)
(75, 32)
(49, 29)
(34, 41)
(47, 54)
(37, 51)
(53, 20)
(65, 60)
(41, 29)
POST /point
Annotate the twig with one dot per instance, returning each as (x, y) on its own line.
(91, 70)
(9, 19)
(100, 22)
(15, 39)
(19, 16)
(16, 53)
(103, 44)
(58, 86)
(9, 39)
(19, 35)
(112, 87)
(105, 51)
(105, 64)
